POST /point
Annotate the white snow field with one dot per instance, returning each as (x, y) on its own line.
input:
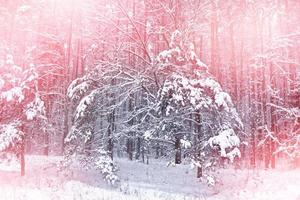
(139, 181)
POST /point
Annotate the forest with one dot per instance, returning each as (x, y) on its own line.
(114, 97)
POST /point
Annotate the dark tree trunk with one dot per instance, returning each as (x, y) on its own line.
(198, 139)
(177, 150)
(143, 153)
(138, 148)
(157, 151)
(110, 143)
(199, 172)
(130, 148)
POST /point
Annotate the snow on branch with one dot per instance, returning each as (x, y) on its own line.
(84, 103)
(226, 140)
(34, 108)
(78, 87)
(13, 93)
(294, 112)
(10, 135)
(194, 92)
(180, 53)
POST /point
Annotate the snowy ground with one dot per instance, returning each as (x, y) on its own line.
(155, 181)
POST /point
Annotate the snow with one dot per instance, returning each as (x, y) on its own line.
(186, 89)
(166, 55)
(9, 59)
(9, 162)
(23, 8)
(185, 143)
(193, 56)
(105, 164)
(233, 154)
(175, 37)
(87, 136)
(84, 103)
(223, 99)
(77, 88)
(15, 92)
(148, 135)
(9, 135)
(30, 114)
(2, 82)
(140, 181)
(34, 108)
(257, 184)
(226, 139)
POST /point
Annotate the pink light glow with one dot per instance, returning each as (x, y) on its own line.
(149, 99)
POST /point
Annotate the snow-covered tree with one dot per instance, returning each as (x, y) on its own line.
(21, 106)
(173, 92)
(84, 142)
(193, 105)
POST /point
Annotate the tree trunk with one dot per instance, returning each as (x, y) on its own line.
(198, 139)
(233, 68)
(110, 142)
(138, 148)
(46, 147)
(177, 150)
(130, 148)
(273, 119)
(267, 153)
(213, 39)
(22, 157)
(199, 172)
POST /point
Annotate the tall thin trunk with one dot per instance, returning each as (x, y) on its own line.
(273, 119)
(198, 140)
(131, 134)
(234, 92)
(177, 150)
(111, 121)
(138, 148)
(214, 38)
(110, 141)
(22, 156)
(66, 80)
